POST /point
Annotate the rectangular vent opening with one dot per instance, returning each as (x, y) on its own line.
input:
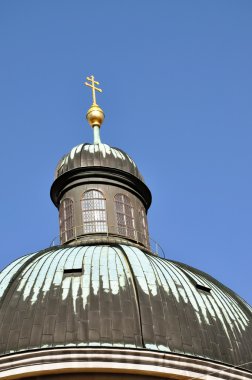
(204, 288)
(73, 270)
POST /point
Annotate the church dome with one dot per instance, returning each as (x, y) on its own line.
(119, 296)
(97, 155)
(102, 303)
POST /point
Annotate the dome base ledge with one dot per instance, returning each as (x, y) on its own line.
(145, 363)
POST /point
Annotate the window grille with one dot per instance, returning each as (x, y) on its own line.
(125, 216)
(66, 220)
(144, 227)
(94, 212)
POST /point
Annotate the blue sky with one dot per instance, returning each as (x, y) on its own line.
(177, 85)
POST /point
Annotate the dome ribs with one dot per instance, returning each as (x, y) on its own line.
(100, 155)
(110, 295)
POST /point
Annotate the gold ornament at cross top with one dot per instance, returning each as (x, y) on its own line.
(92, 85)
(95, 114)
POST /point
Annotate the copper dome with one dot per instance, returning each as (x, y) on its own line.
(97, 155)
(119, 296)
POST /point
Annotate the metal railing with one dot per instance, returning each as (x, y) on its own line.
(77, 233)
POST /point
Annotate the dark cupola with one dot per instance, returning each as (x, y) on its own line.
(99, 190)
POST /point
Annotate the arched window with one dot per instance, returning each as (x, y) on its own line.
(144, 227)
(66, 220)
(94, 212)
(125, 216)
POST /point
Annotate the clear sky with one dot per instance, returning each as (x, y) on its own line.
(177, 85)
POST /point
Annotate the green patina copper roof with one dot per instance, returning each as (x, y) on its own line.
(119, 296)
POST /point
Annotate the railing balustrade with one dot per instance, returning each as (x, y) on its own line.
(76, 233)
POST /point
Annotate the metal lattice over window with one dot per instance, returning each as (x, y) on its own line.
(94, 212)
(125, 216)
(66, 220)
(144, 228)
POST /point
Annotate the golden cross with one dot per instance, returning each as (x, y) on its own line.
(92, 85)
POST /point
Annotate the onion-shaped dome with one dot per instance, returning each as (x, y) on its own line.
(119, 296)
(97, 155)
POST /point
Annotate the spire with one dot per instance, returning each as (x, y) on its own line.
(95, 114)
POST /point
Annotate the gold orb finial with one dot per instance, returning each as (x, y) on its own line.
(95, 114)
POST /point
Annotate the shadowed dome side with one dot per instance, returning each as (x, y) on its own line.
(89, 155)
(119, 296)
